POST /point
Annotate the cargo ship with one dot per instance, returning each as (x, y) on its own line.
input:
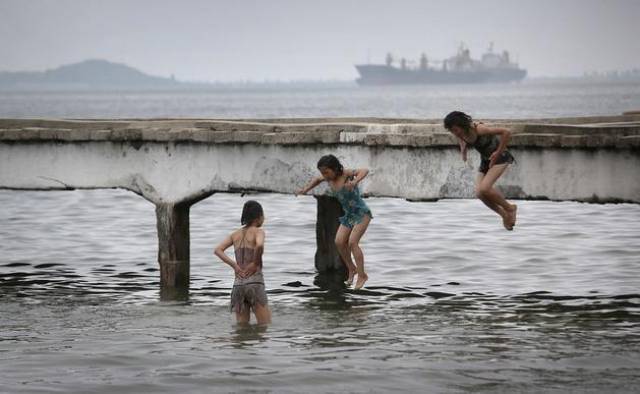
(460, 68)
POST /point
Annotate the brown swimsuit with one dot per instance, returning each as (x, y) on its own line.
(247, 292)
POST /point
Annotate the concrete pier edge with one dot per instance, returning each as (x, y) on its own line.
(174, 163)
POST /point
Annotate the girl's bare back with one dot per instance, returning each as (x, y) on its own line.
(245, 237)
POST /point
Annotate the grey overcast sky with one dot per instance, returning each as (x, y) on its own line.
(297, 39)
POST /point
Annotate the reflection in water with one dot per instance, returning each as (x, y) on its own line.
(465, 307)
(247, 335)
(174, 294)
(332, 293)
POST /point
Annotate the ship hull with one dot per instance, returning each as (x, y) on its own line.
(372, 74)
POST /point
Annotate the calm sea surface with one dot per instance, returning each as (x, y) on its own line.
(536, 99)
(454, 303)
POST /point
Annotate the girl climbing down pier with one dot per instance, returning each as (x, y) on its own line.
(495, 158)
(343, 185)
(248, 243)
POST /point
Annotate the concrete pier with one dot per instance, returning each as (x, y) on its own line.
(327, 257)
(175, 163)
(173, 247)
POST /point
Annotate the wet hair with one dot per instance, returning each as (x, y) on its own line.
(458, 118)
(252, 210)
(331, 162)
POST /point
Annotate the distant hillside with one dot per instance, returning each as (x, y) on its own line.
(89, 74)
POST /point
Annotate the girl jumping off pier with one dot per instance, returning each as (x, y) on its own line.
(495, 158)
(343, 184)
(248, 243)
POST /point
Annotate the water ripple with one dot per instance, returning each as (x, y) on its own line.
(454, 303)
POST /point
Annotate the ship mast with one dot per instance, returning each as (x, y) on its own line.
(389, 59)
(423, 61)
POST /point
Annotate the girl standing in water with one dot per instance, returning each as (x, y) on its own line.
(248, 243)
(343, 185)
(495, 160)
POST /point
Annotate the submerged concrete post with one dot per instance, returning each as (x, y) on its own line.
(327, 257)
(173, 249)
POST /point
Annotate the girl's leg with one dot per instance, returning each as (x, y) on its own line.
(243, 316)
(487, 192)
(262, 313)
(342, 243)
(354, 245)
(490, 204)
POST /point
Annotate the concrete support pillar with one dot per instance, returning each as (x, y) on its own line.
(327, 257)
(173, 250)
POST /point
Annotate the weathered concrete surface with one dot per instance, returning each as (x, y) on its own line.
(173, 248)
(176, 162)
(169, 161)
(327, 257)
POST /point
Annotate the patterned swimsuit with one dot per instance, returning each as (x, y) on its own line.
(247, 292)
(352, 204)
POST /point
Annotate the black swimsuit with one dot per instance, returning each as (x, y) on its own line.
(486, 144)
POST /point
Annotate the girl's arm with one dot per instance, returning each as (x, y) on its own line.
(257, 254)
(314, 182)
(463, 149)
(358, 175)
(219, 251)
(505, 136)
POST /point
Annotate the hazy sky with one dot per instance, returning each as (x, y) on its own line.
(296, 39)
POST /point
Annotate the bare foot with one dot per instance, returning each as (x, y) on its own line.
(360, 282)
(512, 213)
(350, 274)
(506, 221)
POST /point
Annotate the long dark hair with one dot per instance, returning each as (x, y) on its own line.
(252, 210)
(331, 162)
(458, 118)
